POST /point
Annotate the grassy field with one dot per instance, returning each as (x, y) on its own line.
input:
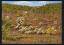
(32, 39)
(47, 17)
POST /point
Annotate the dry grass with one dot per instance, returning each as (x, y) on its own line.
(18, 38)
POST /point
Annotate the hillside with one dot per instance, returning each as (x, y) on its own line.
(49, 12)
(21, 20)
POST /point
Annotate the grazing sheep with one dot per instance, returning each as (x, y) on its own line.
(17, 26)
(43, 31)
(27, 32)
(35, 30)
(30, 27)
(23, 28)
(39, 30)
(20, 20)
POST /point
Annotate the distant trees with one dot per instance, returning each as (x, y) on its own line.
(49, 8)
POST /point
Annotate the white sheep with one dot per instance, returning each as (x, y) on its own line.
(35, 30)
(43, 31)
(17, 25)
(27, 32)
(39, 30)
(30, 27)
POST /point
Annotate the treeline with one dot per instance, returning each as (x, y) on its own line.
(49, 8)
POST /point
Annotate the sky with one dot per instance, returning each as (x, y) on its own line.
(31, 3)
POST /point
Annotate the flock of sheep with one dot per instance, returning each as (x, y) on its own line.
(31, 30)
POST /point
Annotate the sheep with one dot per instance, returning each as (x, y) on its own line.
(35, 30)
(39, 31)
(20, 20)
(17, 26)
(43, 31)
(27, 32)
(23, 28)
